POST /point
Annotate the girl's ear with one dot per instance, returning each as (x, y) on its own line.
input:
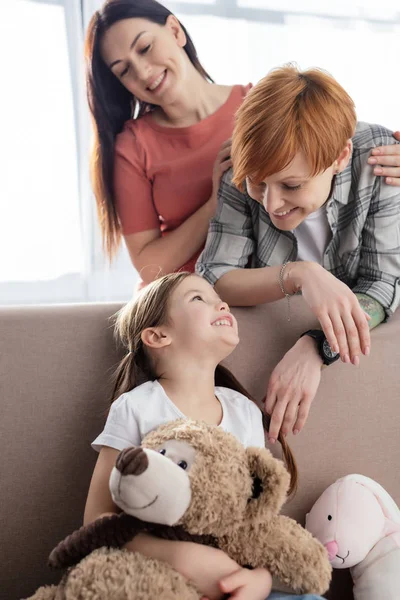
(155, 337)
(344, 157)
(176, 29)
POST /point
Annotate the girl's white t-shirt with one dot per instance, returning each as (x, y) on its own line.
(134, 414)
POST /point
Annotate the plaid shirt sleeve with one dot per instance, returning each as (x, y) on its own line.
(230, 240)
(379, 268)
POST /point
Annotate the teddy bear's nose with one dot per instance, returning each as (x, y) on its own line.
(332, 549)
(132, 461)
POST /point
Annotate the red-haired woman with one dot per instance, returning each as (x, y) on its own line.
(308, 215)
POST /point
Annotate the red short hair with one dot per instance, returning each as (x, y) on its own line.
(290, 111)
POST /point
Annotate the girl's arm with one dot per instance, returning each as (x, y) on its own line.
(99, 502)
(203, 565)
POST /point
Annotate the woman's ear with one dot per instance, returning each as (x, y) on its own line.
(155, 337)
(344, 157)
(176, 29)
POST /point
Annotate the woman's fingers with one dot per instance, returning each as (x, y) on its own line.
(278, 413)
(394, 181)
(361, 320)
(347, 333)
(290, 415)
(225, 149)
(227, 142)
(270, 398)
(387, 171)
(329, 331)
(387, 161)
(384, 151)
(353, 336)
(225, 165)
(302, 413)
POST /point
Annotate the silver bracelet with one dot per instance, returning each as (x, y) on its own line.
(284, 292)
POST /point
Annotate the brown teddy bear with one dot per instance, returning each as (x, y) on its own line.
(189, 480)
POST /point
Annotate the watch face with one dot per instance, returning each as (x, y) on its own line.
(329, 353)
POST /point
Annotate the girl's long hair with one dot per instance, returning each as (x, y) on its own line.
(111, 104)
(150, 309)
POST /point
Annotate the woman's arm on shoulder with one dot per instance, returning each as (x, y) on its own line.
(387, 161)
(153, 255)
(99, 501)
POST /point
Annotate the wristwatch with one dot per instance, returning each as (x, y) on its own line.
(325, 351)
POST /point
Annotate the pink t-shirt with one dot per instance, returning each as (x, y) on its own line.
(162, 175)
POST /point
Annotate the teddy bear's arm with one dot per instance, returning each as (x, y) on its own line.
(287, 550)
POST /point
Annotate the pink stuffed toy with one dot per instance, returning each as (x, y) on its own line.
(359, 525)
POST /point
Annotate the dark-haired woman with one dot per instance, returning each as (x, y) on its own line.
(162, 135)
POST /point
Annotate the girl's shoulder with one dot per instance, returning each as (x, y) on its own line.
(237, 398)
(139, 395)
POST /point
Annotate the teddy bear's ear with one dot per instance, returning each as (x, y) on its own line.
(270, 482)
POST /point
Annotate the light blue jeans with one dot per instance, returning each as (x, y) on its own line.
(282, 596)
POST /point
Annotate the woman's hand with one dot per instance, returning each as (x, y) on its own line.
(387, 161)
(336, 307)
(222, 163)
(292, 388)
(247, 584)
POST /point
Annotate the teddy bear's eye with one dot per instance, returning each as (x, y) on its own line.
(163, 451)
(183, 464)
(329, 517)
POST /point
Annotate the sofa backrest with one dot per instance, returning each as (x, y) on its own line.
(55, 366)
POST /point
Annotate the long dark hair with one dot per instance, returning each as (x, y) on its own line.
(111, 104)
(150, 309)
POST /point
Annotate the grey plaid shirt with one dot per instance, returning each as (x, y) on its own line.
(363, 214)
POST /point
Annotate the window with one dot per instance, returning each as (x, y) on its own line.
(40, 233)
(49, 239)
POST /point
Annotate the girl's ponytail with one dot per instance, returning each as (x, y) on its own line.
(224, 378)
(148, 309)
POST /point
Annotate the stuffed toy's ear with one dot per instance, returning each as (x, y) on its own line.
(270, 483)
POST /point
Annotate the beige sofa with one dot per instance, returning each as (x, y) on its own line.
(55, 363)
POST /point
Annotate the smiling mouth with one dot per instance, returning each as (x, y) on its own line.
(125, 506)
(341, 557)
(222, 323)
(157, 82)
(284, 214)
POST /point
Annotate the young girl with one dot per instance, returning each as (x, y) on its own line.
(176, 333)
